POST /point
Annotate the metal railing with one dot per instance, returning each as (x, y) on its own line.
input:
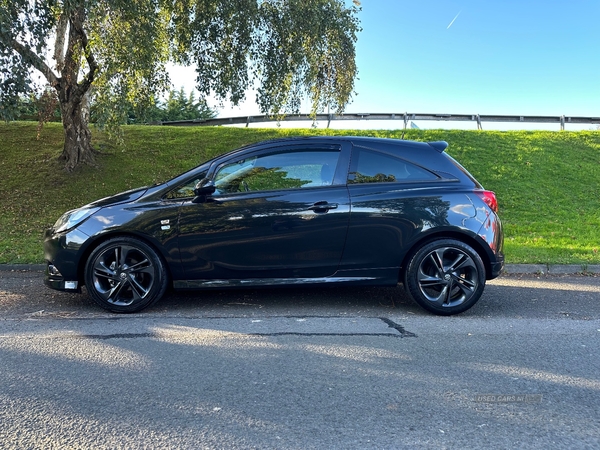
(405, 117)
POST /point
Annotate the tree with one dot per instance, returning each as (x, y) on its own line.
(116, 51)
(177, 106)
(41, 106)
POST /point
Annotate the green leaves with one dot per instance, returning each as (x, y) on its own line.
(289, 50)
(217, 36)
(26, 23)
(131, 45)
(115, 54)
(305, 49)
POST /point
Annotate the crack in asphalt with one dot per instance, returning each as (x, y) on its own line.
(402, 332)
(397, 327)
(104, 337)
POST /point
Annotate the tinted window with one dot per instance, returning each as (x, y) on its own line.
(289, 170)
(376, 167)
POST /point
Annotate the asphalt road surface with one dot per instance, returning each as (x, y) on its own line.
(302, 369)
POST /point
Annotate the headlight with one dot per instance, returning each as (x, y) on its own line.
(73, 218)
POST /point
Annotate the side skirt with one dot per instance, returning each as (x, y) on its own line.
(257, 282)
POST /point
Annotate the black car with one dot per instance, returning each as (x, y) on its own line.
(300, 211)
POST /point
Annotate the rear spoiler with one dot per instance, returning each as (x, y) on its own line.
(440, 146)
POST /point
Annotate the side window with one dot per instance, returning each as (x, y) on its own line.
(185, 190)
(376, 167)
(288, 170)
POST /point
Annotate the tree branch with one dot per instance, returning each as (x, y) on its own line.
(35, 61)
(59, 45)
(89, 56)
(76, 22)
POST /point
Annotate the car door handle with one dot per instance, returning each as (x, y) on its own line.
(322, 207)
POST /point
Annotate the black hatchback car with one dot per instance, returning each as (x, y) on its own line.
(299, 211)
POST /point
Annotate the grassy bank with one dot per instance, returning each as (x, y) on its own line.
(548, 183)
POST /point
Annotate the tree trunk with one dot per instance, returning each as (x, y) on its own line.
(78, 146)
(74, 95)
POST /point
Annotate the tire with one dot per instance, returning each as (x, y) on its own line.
(125, 275)
(445, 277)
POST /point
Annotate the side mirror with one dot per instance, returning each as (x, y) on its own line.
(203, 189)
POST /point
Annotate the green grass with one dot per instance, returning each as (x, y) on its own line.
(547, 183)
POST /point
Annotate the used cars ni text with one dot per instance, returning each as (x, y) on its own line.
(298, 211)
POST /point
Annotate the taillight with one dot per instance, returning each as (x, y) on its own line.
(489, 198)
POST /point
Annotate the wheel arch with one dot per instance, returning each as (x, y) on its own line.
(476, 243)
(106, 237)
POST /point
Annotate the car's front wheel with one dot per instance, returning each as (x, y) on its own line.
(125, 275)
(445, 276)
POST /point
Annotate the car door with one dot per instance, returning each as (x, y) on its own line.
(276, 213)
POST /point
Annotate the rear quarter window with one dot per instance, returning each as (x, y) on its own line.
(370, 166)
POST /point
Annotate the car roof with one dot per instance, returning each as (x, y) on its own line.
(440, 146)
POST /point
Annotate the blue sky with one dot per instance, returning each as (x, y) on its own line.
(524, 57)
(514, 57)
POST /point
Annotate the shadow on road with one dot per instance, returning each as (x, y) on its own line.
(23, 293)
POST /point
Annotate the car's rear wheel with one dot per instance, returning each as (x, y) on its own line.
(125, 275)
(445, 276)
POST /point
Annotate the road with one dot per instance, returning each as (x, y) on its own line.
(302, 368)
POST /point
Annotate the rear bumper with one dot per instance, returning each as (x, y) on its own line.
(496, 268)
(492, 234)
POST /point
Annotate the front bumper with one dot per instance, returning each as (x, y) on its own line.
(63, 254)
(55, 280)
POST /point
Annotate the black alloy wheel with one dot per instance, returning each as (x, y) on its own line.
(125, 275)
(445, 277)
